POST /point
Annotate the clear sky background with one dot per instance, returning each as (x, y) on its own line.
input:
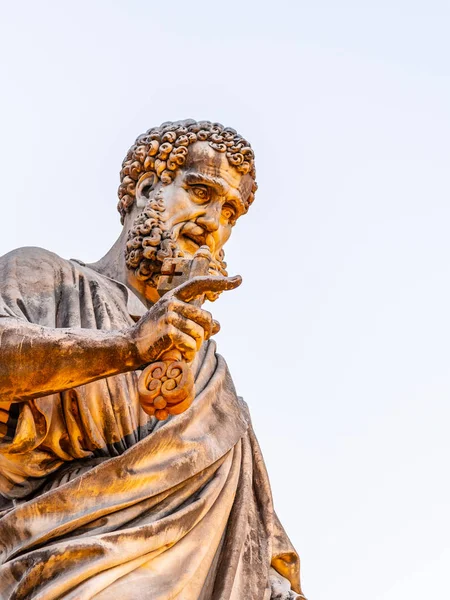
(339, 337)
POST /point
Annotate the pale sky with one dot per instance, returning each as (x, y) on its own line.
(339, 338)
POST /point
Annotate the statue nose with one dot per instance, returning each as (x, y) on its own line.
(210, 220)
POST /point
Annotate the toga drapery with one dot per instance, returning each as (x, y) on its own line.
(99, 500)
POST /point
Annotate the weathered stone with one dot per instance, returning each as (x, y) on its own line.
(98, 498)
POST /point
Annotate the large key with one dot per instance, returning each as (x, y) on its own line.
(167, 386)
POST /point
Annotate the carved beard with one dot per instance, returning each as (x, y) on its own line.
(150, 242)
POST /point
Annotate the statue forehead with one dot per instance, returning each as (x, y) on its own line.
(202, 158)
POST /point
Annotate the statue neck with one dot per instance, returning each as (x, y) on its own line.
(113, 264)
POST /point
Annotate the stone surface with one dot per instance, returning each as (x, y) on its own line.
(117, 483)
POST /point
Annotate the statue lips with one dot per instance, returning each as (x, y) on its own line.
(195, 235)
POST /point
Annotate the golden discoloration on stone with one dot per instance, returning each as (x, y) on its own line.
(98, 499)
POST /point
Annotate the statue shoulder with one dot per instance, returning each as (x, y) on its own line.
(30, 274)
(32, 259)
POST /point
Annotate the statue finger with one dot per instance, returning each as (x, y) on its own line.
(188, 327)
(198, 315)
(183, 342)
(200, 285)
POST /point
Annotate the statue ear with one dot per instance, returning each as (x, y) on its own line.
(145, 186)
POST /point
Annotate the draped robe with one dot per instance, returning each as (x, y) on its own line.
(99, 500)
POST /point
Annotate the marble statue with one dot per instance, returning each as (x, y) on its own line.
(128, 464)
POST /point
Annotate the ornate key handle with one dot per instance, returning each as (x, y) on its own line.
(167, 386)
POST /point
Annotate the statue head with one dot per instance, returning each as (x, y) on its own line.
(186, 184)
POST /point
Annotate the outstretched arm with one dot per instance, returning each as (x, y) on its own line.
(37, 361)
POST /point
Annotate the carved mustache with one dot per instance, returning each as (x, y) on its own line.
(197, 234)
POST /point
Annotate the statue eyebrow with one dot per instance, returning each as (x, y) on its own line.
(202, 178)
(216, 182)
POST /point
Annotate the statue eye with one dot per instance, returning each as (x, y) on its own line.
(201, 192)
(228, 212)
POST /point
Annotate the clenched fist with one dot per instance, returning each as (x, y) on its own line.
(174, 324)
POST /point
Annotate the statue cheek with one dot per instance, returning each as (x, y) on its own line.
(223, 235)
(179, 207)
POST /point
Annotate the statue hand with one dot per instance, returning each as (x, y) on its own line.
(172, 323)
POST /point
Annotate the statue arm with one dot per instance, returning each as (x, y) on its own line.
(37, 361)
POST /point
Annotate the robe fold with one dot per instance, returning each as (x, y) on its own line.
(99, 500)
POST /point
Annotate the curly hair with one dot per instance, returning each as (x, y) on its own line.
(161, 151)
